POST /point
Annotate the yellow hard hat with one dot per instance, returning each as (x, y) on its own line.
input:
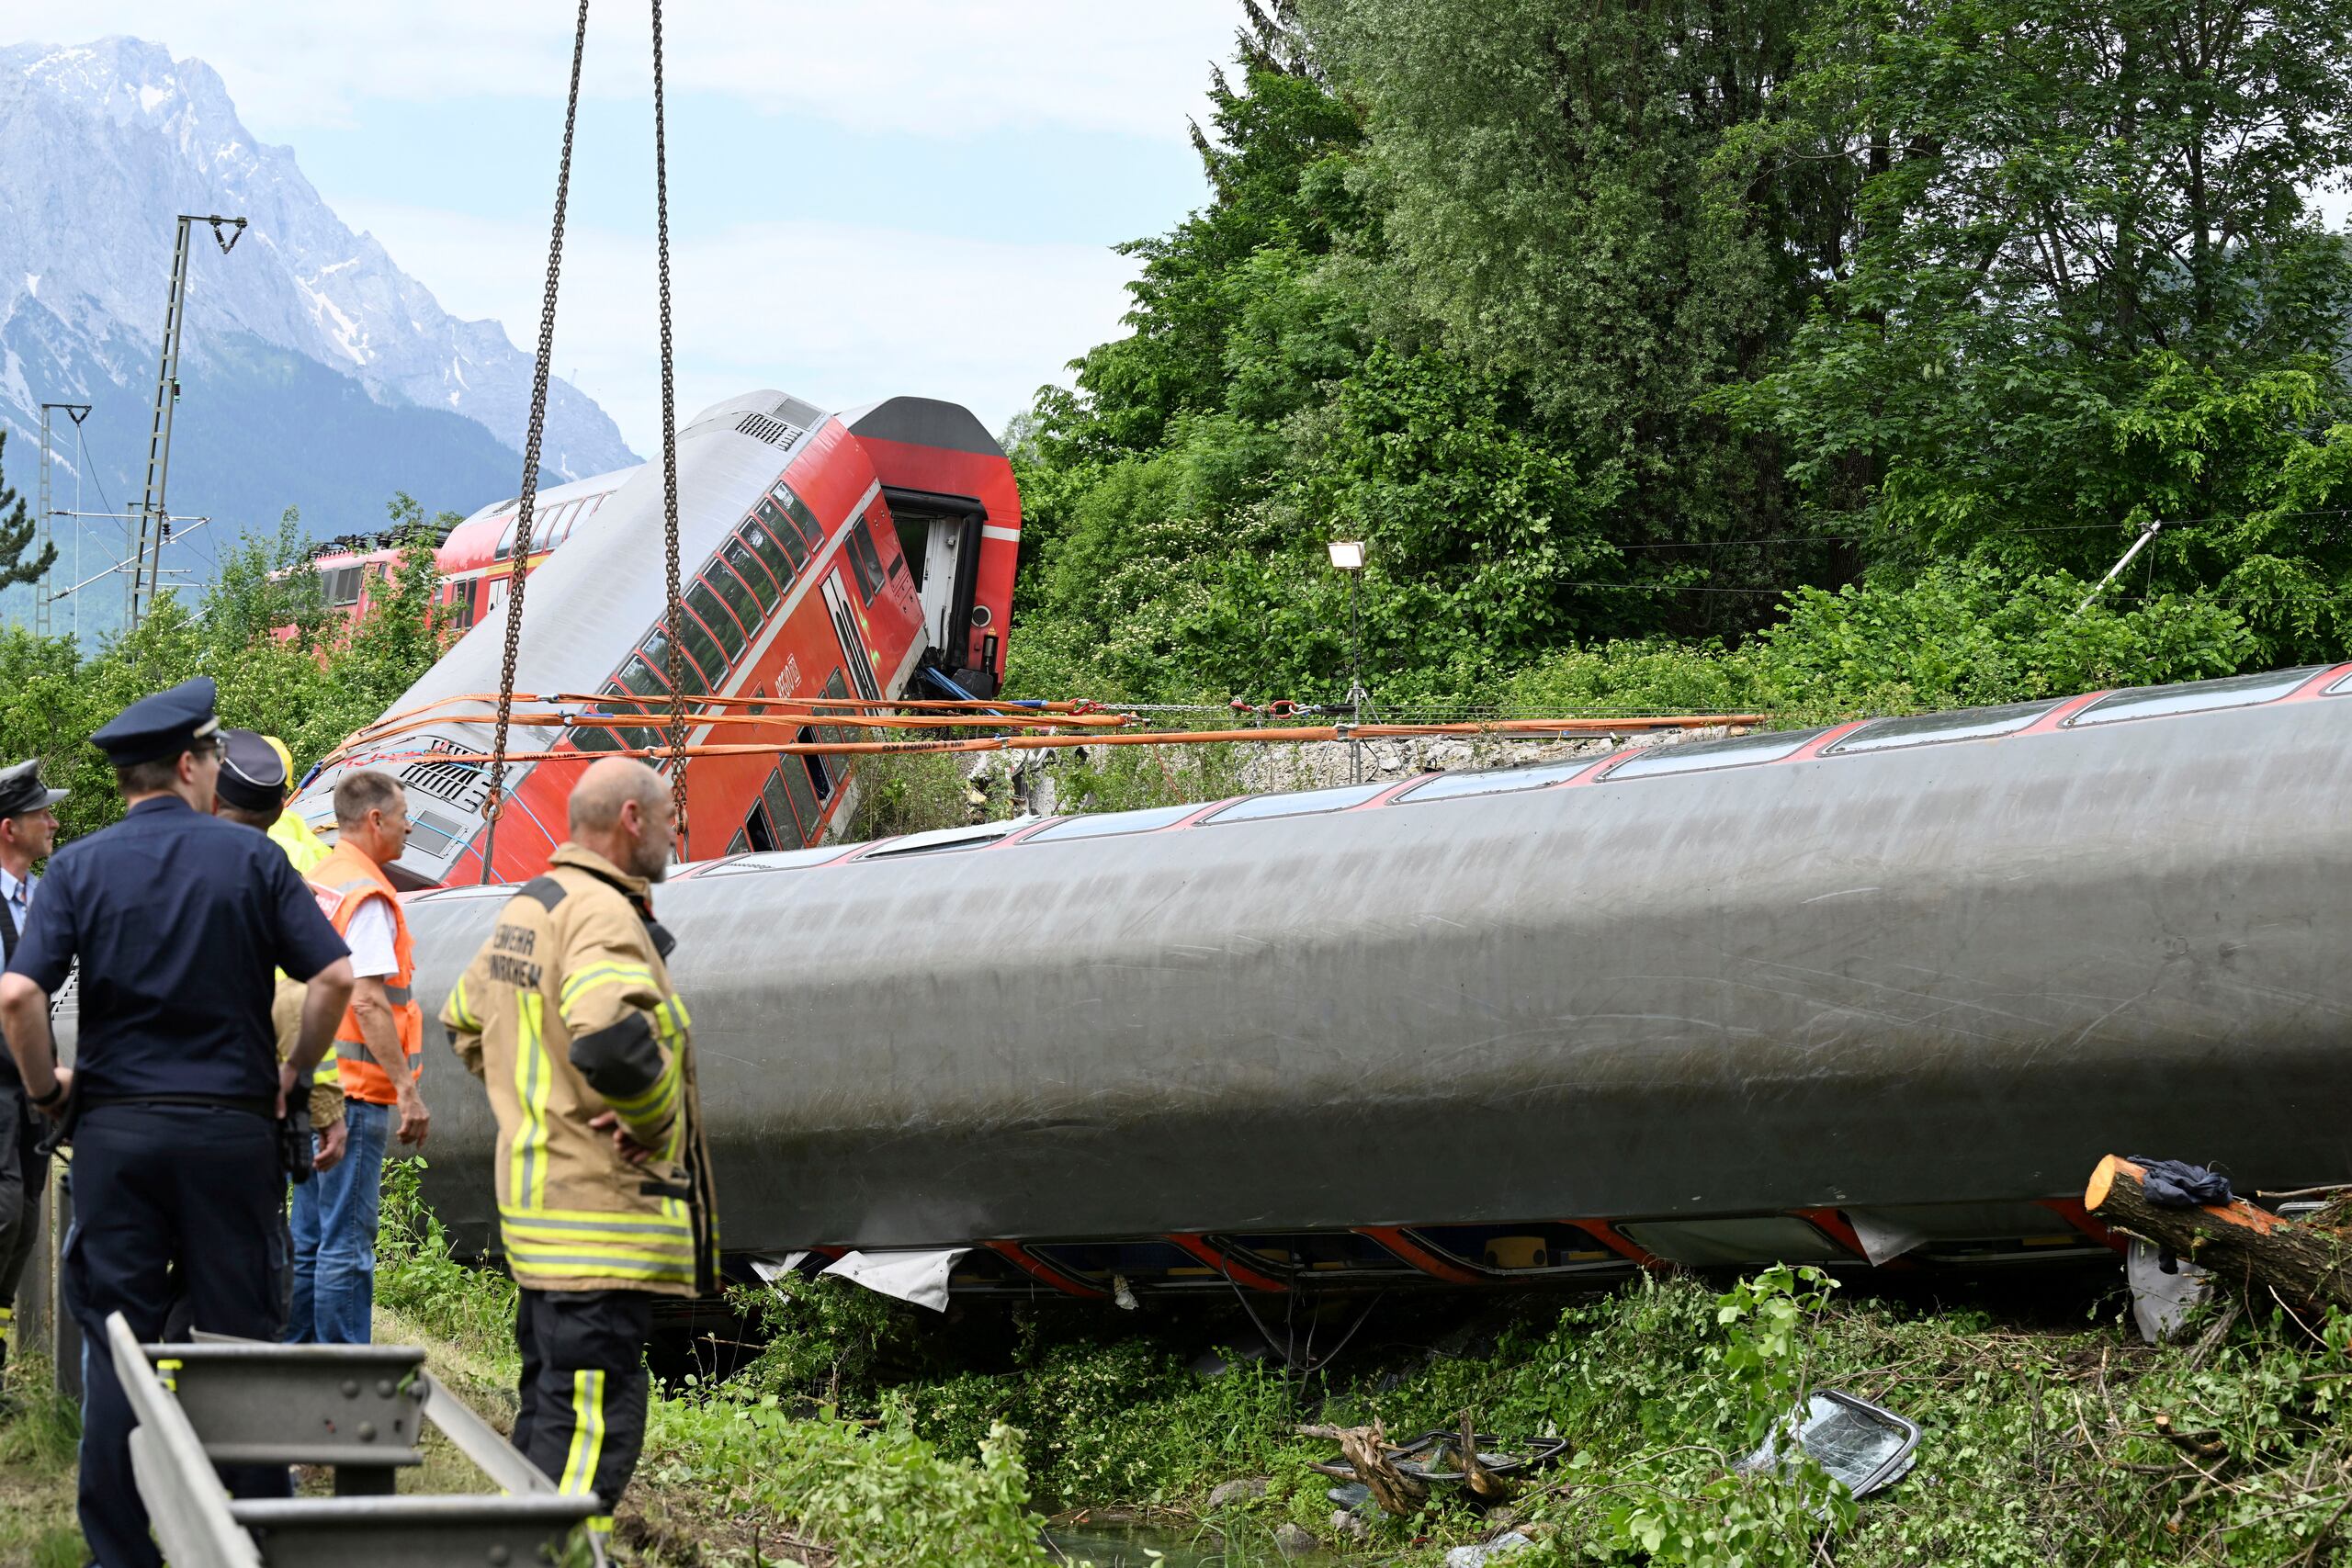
(284, 757)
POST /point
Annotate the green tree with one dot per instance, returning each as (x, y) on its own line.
(1550, 185)
(2085, 291)
(18, 528)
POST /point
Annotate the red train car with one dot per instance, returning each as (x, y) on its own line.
(860, 554)
(472, 561)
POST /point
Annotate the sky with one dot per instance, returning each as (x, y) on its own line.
(866, 199)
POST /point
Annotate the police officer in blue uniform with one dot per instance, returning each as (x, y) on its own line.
(178, 918)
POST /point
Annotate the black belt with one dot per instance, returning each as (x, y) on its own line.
(266, 1109)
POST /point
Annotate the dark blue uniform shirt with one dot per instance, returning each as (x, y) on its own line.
(178, 920)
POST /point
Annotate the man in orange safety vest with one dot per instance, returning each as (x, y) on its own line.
(377, 1052)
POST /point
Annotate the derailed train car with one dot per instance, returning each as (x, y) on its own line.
(868, 554)
(1884, 991)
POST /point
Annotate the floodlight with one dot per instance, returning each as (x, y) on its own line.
(1348, 554)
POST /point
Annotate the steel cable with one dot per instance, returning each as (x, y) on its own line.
(519, 567)
(676, 671)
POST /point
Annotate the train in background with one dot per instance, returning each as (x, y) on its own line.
(472, 561)
(1880, 994)
(862, 556)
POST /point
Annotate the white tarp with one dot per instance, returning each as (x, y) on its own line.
(773, 1269)
(1882, 1238)
(2161, 1301)
(917, 1276)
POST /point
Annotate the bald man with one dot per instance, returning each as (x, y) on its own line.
(568, 1016)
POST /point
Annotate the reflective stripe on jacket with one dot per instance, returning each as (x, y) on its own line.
(343, 881)
(568, 1012)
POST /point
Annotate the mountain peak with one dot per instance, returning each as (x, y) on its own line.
(102, 143)
(126, 78)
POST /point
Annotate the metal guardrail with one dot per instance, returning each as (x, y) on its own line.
(359, 1409)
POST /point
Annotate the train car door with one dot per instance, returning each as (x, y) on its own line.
(854, 658)
(940, 536)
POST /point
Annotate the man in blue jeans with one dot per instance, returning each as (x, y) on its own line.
(379, 1050)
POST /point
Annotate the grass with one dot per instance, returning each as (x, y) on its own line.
(38, 1434)
(2040, 1407)
(869, 1433)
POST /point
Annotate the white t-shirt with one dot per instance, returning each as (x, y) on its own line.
(370, 941)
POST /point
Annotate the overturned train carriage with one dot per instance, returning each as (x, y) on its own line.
(1888, 990)
(866, 553)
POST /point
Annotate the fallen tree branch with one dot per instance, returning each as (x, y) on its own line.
(1366, 1449)
(1483, 1484)
(2235, 1241)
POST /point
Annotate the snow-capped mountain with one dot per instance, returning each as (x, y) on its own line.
(101, 145)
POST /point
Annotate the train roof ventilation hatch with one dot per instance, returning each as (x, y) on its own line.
(774, 432)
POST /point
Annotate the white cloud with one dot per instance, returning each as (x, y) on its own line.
(835, 313)
(942, 67)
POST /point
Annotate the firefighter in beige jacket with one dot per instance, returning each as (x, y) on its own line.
(567, 1015)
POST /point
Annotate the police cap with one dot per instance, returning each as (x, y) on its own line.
(22, 790)
(162, 725)
(251, 777)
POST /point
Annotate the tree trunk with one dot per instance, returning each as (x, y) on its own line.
(2240, 1244)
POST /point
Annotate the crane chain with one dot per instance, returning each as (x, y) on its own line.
(526, 506)
(676, 671)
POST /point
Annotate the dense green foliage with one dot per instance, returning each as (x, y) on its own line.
(309, 688)
(1620, 328)
(2042, 1441)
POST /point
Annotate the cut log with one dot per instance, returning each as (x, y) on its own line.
(1366, 1448)
(2238, 1243)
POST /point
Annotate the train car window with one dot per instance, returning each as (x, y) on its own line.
(1928, 728)
(635, 682)
(779, 549)
(1330, 1252)
(802, 518)
(641, 678)
(703, 649)
(943, 840)
(755, 829)
(1496, 780)
(1523, 1247)
(802, 792)
(782, 809)
(866, 561)
(737, 593)
(465, 596)
(739, 844)
(2194, 696)
(1303, 803)
(655, 651)
(2340, 687)
(714, 595)
(821, 777)
(755, 576)
(1707, 1244)
(837, 691)
(1133, 1260)
(1109, 824)
(343, 585)
(605, 737)
(778, 860)
(1700, 756)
